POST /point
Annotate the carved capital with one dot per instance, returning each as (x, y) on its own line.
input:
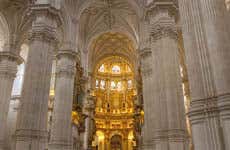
(160, 31)
(46, 19)
(66, 63)
(70, 54)
(8, 64)
(163, 17)
(145, 52)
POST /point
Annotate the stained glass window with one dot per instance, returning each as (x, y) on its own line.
(116, 69)
(97, 84)
(102, 84)
(113, 85)
(119, 86)
(102, 68)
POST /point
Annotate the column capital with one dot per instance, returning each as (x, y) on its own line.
(163, 17)
(45, 22)
(11, 57)
(66, 65)
(8, 64)
(72, 55)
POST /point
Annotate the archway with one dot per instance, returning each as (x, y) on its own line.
(116, 142)
(114, 83)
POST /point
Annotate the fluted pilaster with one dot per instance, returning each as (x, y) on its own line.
(147, 72)
(31, 130)
(206, 36)
(170, 127)
(216, 29)
(8, 69)
(61, 132)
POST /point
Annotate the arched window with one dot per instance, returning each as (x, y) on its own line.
(116, 69)
(97, 84)
(102, 68)
(119, 86)
(18, 82)
(113, 85)
(102, 86)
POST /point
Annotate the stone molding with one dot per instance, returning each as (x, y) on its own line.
(160, 31)
(172, 135)
(24, 134)
(8, 64)
(224, 106)
(43, 33)
(11, 56)
(203, 108)
(163, 16)
(44, 30)
(69, 54)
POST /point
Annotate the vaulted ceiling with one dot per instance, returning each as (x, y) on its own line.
(109, 15)
(112, 44)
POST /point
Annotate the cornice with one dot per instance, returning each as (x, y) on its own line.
(11, 56)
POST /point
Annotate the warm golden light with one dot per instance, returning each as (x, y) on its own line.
(114, 91)
(52, 93)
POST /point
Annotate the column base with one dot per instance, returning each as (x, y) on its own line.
(31, 140)
(148, 146)
(60, 147)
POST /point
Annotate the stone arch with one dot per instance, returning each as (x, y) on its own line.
(126, 22)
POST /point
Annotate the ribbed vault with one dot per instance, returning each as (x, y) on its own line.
(107, 15)
(112, 44)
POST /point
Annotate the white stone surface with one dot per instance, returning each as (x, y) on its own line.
(61, 131)
(8, 70)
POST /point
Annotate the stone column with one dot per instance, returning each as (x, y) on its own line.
(31, 130)
(146, 66)
(61, 131)
(88, 111)
(216, 29)
(146, 71)
(8, 70)
(170, 133)
(206, 35)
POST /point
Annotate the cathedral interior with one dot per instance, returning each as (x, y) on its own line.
(114, 74)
